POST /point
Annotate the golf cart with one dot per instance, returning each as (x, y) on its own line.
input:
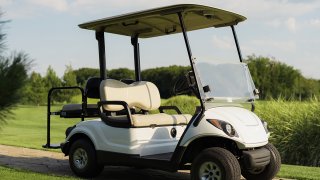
(221, 140)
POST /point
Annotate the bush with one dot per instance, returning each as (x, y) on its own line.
(164, 78)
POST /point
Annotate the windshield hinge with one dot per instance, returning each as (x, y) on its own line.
(193, 59)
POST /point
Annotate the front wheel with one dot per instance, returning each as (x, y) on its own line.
(215, 164)
(82, 159)
(268, 172)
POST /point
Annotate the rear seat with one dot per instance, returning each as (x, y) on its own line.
(91, 110)
(143, 95)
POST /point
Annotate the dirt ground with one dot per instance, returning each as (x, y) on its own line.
(56, 163)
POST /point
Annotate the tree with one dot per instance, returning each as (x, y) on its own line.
(35, 91)
(165, 77)
(52, 80)
(13, 75)
(275, 79)
(68, 80)
(121, 73)
(83, 74)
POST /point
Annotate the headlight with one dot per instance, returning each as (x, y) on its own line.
(224, 126)
(265, 125)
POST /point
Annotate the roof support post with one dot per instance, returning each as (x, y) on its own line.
(186, 40)
(136, 49)
(102, 54)
(237, 43)
(192, 62)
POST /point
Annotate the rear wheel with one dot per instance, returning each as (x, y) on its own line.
(82, 159)
(268, 172)
(215, 164)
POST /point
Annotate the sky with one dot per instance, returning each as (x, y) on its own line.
(287, 30)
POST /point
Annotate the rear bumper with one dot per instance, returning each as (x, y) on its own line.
(257, 158)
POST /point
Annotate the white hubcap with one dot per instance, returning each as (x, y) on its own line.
(80, 158)
(210, 171)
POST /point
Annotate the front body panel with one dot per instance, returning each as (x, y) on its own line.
(248, 126)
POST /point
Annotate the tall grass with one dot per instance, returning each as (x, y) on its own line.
(294, 126)
(295, 129)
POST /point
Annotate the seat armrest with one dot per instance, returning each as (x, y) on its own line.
(114, 121)
(161, 108)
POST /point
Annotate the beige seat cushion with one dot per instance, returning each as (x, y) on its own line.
(143, 95)
(140, 120)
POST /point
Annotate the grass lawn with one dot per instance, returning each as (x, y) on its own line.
(299, 172)
(27, 128)
(15, 174)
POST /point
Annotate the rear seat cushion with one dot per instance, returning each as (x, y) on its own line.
(76, 107)
(75, 111)
(144, 95)
(161, 119)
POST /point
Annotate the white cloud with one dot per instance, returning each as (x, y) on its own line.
(291, 24)
(274, 23)
(261, 10)
(315, 23)
(5, 2)
(272, 45)
(223, 42)
(58, 5)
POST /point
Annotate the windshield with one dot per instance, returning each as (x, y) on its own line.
(218, 66)
(228, 82)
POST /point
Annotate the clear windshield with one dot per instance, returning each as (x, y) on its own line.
(228, 82)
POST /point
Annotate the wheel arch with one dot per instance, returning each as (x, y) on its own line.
(74, 137)
(202, 143)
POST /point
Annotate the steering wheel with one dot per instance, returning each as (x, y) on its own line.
(185, 85)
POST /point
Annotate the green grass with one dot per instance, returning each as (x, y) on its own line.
(299, 172)
(77, 99)
(16, 174)
(27, 127)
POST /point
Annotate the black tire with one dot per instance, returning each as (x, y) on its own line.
(83, 160)
(270, 171)
(222, 164)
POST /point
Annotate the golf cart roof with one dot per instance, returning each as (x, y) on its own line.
(164, 20)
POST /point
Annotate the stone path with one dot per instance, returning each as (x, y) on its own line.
(56, 163)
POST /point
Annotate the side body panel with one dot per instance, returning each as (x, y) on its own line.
(135, 141)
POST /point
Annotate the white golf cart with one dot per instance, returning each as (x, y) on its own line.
(221, 140)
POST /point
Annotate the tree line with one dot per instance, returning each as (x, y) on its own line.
(273, 79)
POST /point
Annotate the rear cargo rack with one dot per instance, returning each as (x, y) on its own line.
(49, 113)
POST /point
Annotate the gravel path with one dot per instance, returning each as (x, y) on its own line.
(56, 163)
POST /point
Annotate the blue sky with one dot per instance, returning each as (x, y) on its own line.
(47, 30)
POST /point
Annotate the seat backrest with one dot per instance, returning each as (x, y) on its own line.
(144, 95)
(92, 87)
